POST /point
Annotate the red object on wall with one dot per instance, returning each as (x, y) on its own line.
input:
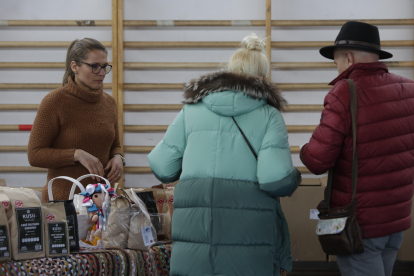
(25, 127)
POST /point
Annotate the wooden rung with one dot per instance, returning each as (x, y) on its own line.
(179, 86)
(32, 65)
(191, 44)
(294, 23)
(236, 44)
(300, 128)
(144, 170)
(145, 128)
(19, 106)
(181, 44)
(318, 44)
(9, 128)
(163, 128)
(21, 169)
(294, 149)
(57, 23)
(157, 86)
(305, 182)
(303, 107)
(148, 149)
(153, 86)
(41, 44)
(13, 148)
(284, 23)
(137, 170)
(171, 65)
(215, 65)
(311, 65)
(197, 65)
(303, 86)
(134, 170)
(152, 107)
(39, 85)
(128, 149)
(138, 149)
(193, 23)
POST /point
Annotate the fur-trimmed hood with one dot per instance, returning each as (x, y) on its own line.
(250, 85)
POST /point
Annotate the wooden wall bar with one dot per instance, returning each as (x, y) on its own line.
(280, 23)
(195, 65)
(129, 149)
(235, 44)
(206, 23)
(192, 44)
(120, 77)
(135, 170)
(118, 86)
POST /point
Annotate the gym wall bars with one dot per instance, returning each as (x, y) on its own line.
(118, 86)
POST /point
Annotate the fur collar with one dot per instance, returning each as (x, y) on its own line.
(254, 86)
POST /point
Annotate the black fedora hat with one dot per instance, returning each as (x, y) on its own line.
(357, 35)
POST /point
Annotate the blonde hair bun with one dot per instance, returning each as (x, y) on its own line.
(253, 42)
(250, 58)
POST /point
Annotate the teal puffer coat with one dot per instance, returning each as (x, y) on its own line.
(227, 220)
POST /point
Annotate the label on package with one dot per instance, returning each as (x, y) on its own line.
(4, 242)
(29, 225)
(57, 238)
(71, 230)
(314, 214)
(147, 235)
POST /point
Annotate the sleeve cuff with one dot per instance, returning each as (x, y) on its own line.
(67, 157)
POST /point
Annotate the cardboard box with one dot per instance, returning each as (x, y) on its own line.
(311, 182)
(3, 182)
(302, 229)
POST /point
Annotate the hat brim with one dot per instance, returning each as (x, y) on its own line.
(328, 51)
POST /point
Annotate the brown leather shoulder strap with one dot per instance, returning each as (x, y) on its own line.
(354, 105)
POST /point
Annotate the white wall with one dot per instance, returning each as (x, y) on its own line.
(178, 10)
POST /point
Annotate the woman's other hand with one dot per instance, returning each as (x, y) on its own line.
(114, 169)
(90, 162)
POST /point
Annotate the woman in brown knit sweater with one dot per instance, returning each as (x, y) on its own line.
(76, 127)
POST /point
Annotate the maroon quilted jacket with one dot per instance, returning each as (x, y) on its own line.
(385, 146)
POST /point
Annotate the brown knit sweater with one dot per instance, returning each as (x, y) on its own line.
(72, 118)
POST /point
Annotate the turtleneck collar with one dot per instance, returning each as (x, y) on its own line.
(88, 96)
(361, 69)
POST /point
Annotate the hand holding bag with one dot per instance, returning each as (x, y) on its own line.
(338, 229)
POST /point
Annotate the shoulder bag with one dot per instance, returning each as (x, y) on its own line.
(337, 228)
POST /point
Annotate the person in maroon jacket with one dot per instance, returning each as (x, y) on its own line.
(385, 146)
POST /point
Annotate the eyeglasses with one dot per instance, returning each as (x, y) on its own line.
(96, 68)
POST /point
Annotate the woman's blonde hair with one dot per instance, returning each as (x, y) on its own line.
(250, 59)
(78, 51)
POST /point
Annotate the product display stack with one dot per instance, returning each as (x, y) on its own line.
(101, 231)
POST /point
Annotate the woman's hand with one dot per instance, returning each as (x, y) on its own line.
(90, 162)
(114, 169)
